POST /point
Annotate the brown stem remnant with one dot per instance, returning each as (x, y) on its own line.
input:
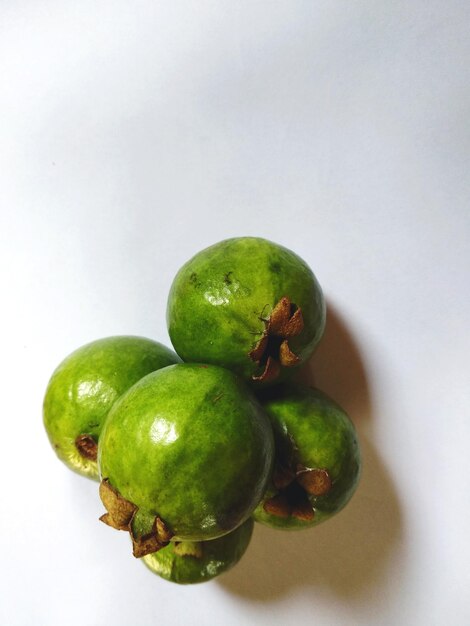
(121, 512)
(87, 447)
(273, 351)
(316, 482)
(294, 489)
(278, 505)
(303, 511)
(154, 541)
(282, 476)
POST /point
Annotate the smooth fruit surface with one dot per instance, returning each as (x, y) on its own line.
(221, 304)
(317, 462)
(189, 563)
(188, 445)
(84, 387)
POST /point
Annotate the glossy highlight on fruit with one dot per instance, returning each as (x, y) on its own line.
(185, 454)
(249, 305)
(196, 562)
(317, 459)
(85, 386)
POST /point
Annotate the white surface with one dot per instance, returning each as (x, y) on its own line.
(135, 133)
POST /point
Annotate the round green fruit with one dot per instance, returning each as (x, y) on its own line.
(317, 458)
(196, 562)
(186, 454)
(246, 304)
(84, 387)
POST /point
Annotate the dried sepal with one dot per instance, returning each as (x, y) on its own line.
(286, 356)
(295, 483)
(279, 317)
(283, 322)
(270, 372)
(120, 515)
(278, 506)
(303, 511)
(119, 510)
(147, 544)
(316, 482)
(282, 476)
(258, 351)
(87, 447)
(162, 530)
(272, 350)
(295, 325)
(153, 541)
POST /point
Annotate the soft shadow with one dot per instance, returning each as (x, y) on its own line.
(337, 368)
(348, 554)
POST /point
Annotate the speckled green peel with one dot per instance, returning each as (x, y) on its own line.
(317, 459)
(191, 445)
(196, 562)
(223, 302)
(84, 387)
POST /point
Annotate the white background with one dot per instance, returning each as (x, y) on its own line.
(132, 134)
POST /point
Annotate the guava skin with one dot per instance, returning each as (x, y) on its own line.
(191, 445)
(220, 297)
(216, 556)
(86, 384)
(313, 431)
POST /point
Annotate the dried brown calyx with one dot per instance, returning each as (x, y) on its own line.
(87, 447)
(120, 514)
(157, 539)
(272, 351)
(294, 488)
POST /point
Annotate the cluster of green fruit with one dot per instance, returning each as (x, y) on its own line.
(191, 447)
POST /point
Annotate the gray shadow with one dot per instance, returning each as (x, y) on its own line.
(337, 368)
(349, 553)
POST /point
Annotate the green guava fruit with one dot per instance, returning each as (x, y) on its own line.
(191, 562)
(84, 387)
(317, 459)
(186, 454)
(246, 304)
